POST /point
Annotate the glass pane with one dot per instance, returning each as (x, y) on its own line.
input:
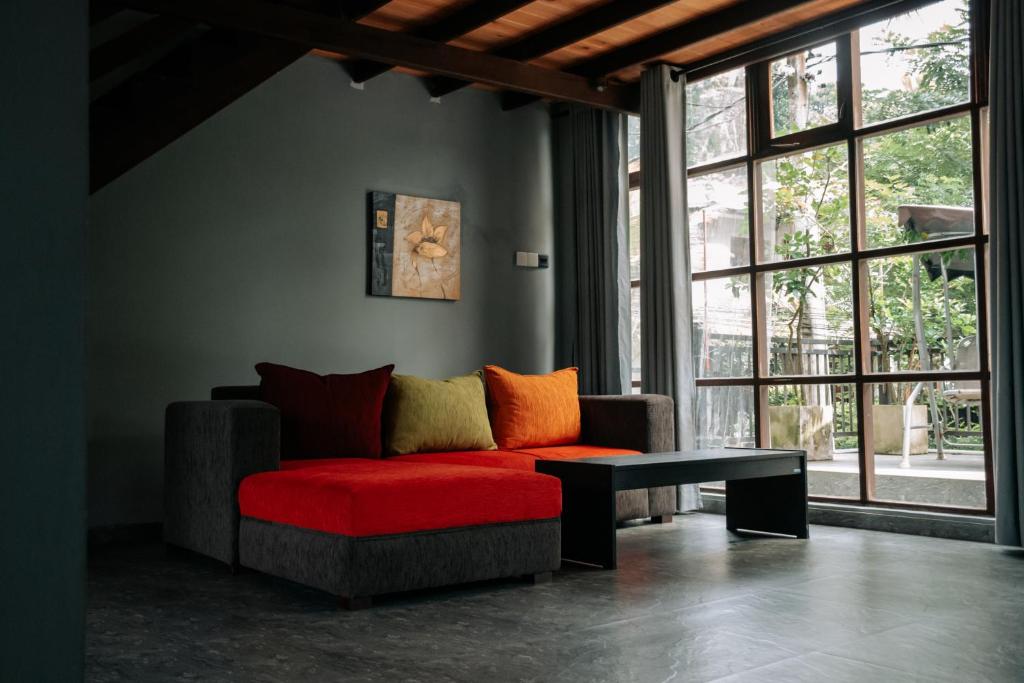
(634, 233)
(717, 207)
(934, 327)
(912, 178)
(810, 320)
(633, 142)
(915, 62)
(805, 204)
(722, 328)
(725, 417)
(804, 91)
(716, 118)
(928, 445)
(822, 420)
(634, 310)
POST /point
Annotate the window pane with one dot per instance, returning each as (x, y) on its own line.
(633, 142)
(822, 420)
(910, 175)
(915, 62)
(810, 320)
(716, 118)
(717, 209)
(634, 310)
(725, 417)
(805, 204)
(928, 445)
(804, 91)
(935, 330)
(634, 234)
(722, 328)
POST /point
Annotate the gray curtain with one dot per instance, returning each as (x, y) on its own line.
(594, 206)
(1007, 256)
(665, 290)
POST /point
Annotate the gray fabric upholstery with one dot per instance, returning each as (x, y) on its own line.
(665, 287)
(210, 446)
(362, 567)
(1007, 250)
(640, 422)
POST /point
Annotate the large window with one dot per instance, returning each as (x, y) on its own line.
(839, 254)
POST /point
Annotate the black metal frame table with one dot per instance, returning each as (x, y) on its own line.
(765, 491)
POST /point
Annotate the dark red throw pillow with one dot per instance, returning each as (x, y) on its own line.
(326, 416)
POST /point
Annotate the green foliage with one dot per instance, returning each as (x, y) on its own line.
(929, 165)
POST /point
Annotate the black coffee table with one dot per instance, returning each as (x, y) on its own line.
(765, 491)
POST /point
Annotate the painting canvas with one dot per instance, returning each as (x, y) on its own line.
(415, 247)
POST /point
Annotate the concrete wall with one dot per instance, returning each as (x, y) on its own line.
(245, 240)
(43, 185)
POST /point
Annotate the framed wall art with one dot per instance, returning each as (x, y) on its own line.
(415, 247)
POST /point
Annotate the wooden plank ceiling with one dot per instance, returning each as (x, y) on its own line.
(160, 67)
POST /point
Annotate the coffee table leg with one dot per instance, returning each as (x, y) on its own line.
(588, 522)
(775, 505)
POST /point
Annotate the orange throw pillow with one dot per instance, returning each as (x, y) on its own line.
(533, 410)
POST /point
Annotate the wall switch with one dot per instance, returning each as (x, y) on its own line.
(531, 259)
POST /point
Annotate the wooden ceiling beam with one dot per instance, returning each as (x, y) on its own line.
(316, 31)
(357, 9)
(130, 46)
(679, 36)
(449, 26)
(561, 34)
(821, 28)
(671, 39)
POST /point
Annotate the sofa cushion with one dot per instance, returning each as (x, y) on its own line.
(326, 416)
(427, 415)
(574, 452)
(530, 411)
(363, 497)
(511, 460)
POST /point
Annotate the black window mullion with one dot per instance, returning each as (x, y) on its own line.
(849, 94)
(761, 146)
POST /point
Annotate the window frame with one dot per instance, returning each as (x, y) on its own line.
(762, 147)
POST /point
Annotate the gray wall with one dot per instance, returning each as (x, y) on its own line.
(43, 184)
(245, 241)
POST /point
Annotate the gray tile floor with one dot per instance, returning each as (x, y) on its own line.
(690, 602)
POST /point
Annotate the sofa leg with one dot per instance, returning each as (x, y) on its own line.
(354, 603)
(662, 519)
(539, 578)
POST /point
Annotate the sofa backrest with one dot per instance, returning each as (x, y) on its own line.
(236, 393)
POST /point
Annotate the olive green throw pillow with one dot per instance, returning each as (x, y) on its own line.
(428, 415)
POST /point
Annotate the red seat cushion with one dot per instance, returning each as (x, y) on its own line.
(574, 452)
(326, 416)
(512, 460)
(362, 497)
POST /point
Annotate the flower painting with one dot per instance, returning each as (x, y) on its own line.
(415, 247)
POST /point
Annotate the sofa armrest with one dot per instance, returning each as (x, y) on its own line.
(640, 422)
(209, 447)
